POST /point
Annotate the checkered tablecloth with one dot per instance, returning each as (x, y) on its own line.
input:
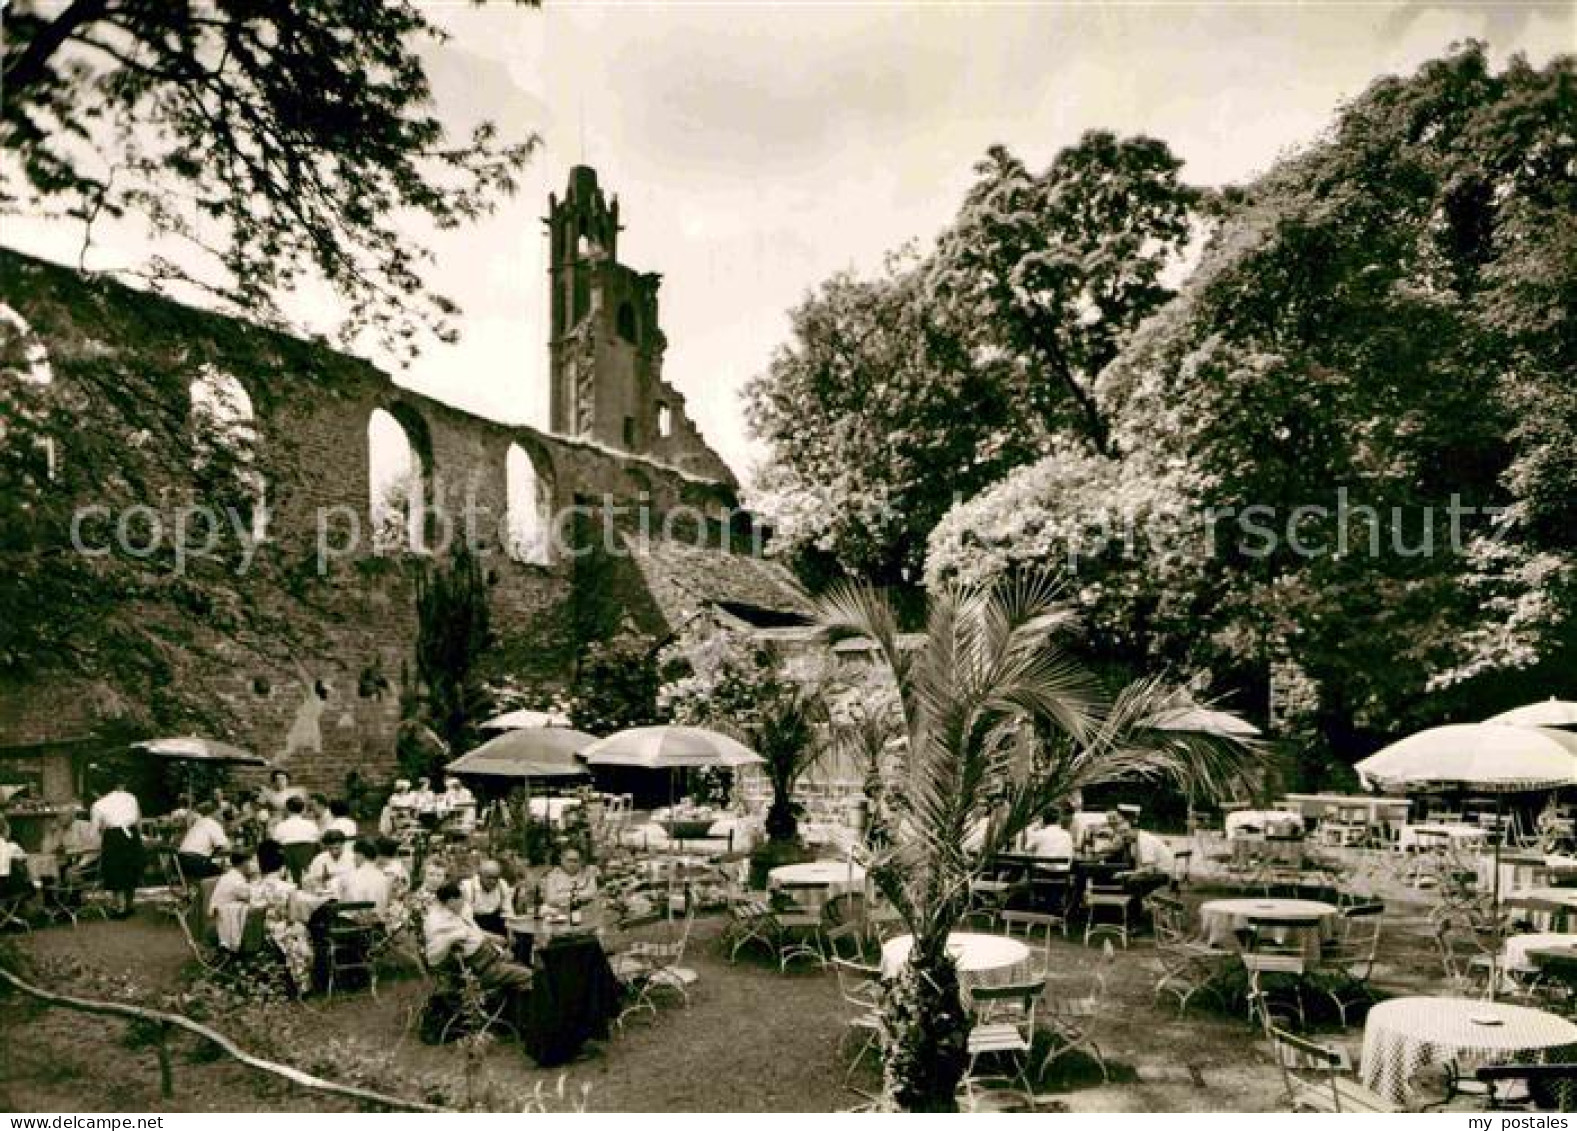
(1221, 919)
(1515, 955)
(983, 960)
(1405, 1035)
(816, 883)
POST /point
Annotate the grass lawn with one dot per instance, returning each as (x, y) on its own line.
(752, 1040)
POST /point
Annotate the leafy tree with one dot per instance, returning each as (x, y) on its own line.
(722, 679)
(453, 631)
(1386, 315)
(1056, 271)
(616, 685)
(298, 138)
(900, 394)
(876, 420)
(999, 727)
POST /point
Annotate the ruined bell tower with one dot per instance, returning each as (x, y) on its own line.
(604, 342)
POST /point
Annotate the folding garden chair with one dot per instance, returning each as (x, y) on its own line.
(1004, 1026)
(1320, 1077)
(1070, 1021)
(650, 969)
(860, 989)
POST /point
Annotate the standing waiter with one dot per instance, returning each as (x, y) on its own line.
(116, 816)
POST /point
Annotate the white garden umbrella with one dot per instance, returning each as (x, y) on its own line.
(543, 752)
(526, 720)
(1488, 757)
(1552, 712)
(670, 748)
(1491, 757)
(191, 748)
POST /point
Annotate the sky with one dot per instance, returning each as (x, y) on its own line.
(759, 148)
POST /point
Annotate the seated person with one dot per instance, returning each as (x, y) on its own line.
(296, 827)
(458, 801)
(1048, 841)
(279, 793)
(423, 799)
(73, 840)
(1120, 844)
(397, 809)
(274, 882)
(366, 882)
(447, 934)
(318, 811)
(391, 865)
(1154, 854)
(235, 885)
(224, 808)
(571, 884)
(13, 865)
(205, 838)
(488, 897)
(334, 861)
(251, 820)
(340, 818)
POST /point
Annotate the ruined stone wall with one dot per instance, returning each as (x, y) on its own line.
(335, 706)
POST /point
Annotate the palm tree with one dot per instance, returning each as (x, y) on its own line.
(783, 729)
(1000, 726)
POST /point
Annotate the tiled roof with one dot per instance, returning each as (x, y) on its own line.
(682, 580)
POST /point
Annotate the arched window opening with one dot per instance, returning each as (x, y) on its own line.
(397, 487)
(528, 537)
(665, 420)
(224, 448)
(626, 322)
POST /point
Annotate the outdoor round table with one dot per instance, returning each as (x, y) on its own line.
(1515, 955)
(1245, 822)
(1407, 1034)
(818, 882)
(1221, 919)
(526, 932)
(303, 903)
(983, 960)
(1459, 835)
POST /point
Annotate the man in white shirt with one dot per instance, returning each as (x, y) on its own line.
(116, 816)
(366, 882)
(1049, 842)
(204, 838)
(297, 827)
(447, 932)
(488, 897)
(327, 866)
(340, 818)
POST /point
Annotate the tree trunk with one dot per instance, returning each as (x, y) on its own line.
(780, 823)
(925, 1032)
